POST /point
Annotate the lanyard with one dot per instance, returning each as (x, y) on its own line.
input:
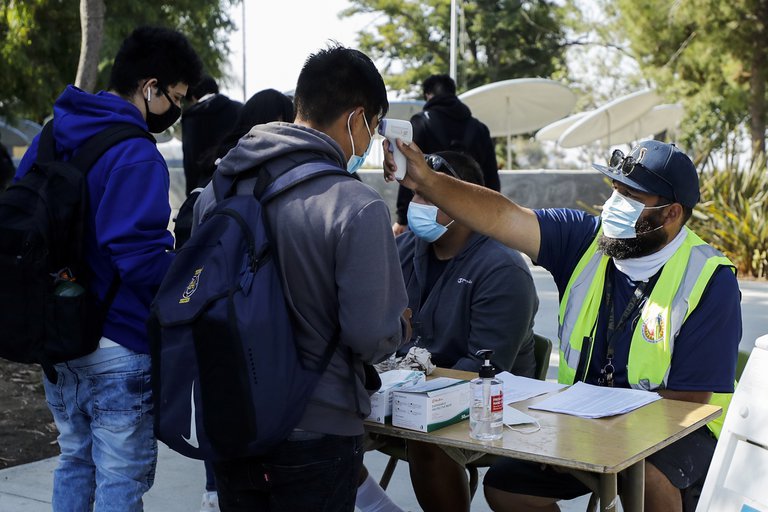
(641, 293)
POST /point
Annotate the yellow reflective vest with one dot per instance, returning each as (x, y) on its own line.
(676, 294)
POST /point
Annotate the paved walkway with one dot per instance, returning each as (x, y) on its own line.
(179, 486)
(179, 482)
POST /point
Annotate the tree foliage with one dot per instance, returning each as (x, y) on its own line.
(733, 215)
(709, 53)
(499, 39)
(40, 43)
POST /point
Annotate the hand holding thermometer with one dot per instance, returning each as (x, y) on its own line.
(393, 129)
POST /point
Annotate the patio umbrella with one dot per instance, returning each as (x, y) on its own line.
(19, 133)
(552, 131)
(11, 136)
(604, 121)
(521, 105)
(660, 118)
(404, 109)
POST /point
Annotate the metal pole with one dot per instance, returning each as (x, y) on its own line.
(453, 40)
(245, 94)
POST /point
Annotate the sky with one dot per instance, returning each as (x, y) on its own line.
(279, 35)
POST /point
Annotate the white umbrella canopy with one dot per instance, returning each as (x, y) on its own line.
(552, 131)
(660, 118)
(10, 136)
(28, 128)
(521, 105)
(404, 109)
(20, 133)
(602, 122)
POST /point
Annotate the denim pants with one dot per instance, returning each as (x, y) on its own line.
(307, 472)
(102, 406)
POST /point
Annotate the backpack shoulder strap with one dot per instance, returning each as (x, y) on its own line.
(46, 144)
(97, 145)
(300, 174)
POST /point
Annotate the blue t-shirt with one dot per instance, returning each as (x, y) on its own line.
(704, 356)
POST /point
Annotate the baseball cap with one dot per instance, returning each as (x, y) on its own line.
(656, 168)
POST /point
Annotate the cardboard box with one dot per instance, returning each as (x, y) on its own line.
(381, 401)
(435, 404)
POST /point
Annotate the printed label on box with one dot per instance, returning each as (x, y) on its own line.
(430, 406)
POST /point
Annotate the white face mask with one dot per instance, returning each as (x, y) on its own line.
(620, 215)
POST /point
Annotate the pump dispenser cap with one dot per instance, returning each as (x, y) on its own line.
(487, 370)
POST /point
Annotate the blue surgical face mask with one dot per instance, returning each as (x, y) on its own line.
(620, 215)
(355, 161)
(422, 220)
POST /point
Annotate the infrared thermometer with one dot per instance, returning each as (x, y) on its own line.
(393, 129)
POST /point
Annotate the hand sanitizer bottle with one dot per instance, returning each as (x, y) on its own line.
(487, 402)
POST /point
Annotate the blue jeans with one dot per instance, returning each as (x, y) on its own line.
(307, 472)
(102, 406)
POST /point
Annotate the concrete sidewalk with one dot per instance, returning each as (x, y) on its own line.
(179, 486)
(179, 482)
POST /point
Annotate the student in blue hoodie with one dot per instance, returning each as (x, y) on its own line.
(102, 402)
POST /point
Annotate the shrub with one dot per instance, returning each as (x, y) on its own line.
(733, 215)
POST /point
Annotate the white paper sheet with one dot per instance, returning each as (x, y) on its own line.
(513, 416)
(518, 388)
(588, 401)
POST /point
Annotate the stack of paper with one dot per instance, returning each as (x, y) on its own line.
(588, 401)
(517, 388)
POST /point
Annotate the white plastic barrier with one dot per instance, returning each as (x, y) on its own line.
(738, 476)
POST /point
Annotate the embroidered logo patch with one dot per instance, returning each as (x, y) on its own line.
(461, 280)
(654, 328)
(191, 287)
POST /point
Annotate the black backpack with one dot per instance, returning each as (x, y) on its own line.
(182, 223)
(228, 379)
(47, 313)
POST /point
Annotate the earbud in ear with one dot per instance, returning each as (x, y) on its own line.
(149, 95)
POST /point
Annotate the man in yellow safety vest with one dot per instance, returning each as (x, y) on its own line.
(644, 303)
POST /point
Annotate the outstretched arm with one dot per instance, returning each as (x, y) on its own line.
(478, 208)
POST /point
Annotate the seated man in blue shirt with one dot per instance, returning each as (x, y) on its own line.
(645, 303)
(467, 292)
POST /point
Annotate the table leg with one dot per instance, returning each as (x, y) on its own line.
(633, 495)
(608, 492)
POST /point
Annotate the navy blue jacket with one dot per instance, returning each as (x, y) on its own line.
(484, 299)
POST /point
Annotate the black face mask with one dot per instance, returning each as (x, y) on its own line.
(157, 123)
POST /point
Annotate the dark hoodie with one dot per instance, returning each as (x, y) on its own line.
(203, 126)
(128, 208)
(446, 124)
(484, 298)
(338, 262)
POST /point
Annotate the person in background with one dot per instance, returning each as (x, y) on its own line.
(645, 304)
(447, 124)
(102, 402)
(263, 107)
(467, 292)
(204, 123)
(329, 232)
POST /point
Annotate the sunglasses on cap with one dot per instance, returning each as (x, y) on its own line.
(436, 163)
(626, 165)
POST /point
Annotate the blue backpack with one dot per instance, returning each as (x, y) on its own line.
(227, 376)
